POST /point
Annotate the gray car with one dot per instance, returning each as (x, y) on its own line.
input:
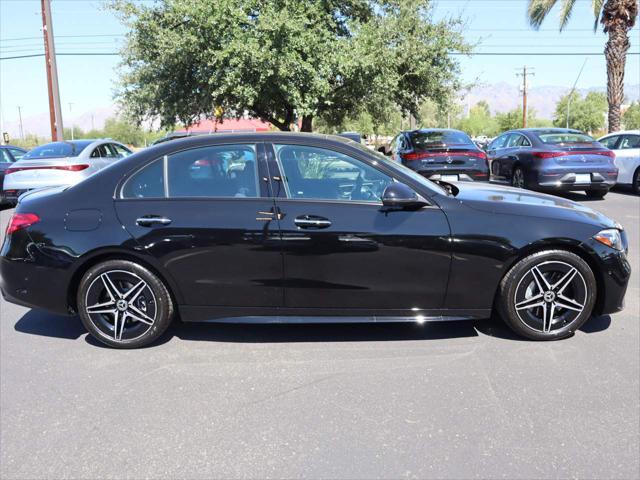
(552, 159)
(60, 163)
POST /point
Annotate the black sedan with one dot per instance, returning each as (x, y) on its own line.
(303, 228)
(8, 156)
(553, 159)
(440, 154)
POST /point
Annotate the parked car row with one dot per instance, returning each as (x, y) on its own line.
(544, 159)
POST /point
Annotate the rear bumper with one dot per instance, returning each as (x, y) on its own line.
(472, 173)
(567, 180)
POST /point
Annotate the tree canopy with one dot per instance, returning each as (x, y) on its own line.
(587, 114)
(285, 60)
(631, 117)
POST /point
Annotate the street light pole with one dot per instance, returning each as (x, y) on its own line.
(55, 111)
(20, 123)
(70, 105)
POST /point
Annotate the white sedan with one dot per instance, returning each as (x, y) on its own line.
(626, 146)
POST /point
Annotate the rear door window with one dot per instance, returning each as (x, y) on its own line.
(214, 171)
(610, 142)
(499, 142)
(148, 182)
(17, 153)
(629, 141)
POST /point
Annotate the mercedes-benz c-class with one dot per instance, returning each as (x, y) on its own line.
(303, 228)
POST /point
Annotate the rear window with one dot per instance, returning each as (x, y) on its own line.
(562, 138)
(438, 139)
(56, 149)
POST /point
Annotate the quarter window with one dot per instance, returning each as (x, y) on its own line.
(317, 173)
(17, 154)
(147, 182)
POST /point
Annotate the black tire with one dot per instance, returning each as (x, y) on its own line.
(106, 288)
(518, 178)
(596, 194)
(635, 186)
(530, 320)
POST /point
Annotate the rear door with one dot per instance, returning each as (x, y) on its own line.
(207, 217)
(628, 157)
(343, 251)
(495, 152)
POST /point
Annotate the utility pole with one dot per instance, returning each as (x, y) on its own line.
(55, 111)
(524, 75)
(20, 123)
(70, 105)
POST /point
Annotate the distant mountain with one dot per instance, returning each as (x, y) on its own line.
(503, 97)
(39, 124)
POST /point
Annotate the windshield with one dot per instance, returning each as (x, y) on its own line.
(558, 138)
(405, 170)
(438, 138)
(56, 150)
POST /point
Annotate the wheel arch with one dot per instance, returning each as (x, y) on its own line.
(94, 258)
(571, 246)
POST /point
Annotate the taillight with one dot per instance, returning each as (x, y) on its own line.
(69, 168)
(19, 221)
(553, 154)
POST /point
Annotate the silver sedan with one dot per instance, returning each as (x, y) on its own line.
(60, 163)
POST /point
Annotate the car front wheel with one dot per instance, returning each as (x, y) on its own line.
(124, 305)
(596, 194)
(547, 295)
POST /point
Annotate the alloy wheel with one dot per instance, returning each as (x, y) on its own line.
(121, 305)
(518, 178)
(550, 295)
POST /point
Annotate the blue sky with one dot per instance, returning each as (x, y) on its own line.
(88, 81)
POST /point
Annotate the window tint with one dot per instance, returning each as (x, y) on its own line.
(513, 140)
(630, 141)
(121, 152)
(216, 171)
(610, 142)
(101, 151)
(4, 156)
(439, 138)
(147, 182)
(498, 142)
(563, 138)
(317, 173)
(57, 149)
(17, 153)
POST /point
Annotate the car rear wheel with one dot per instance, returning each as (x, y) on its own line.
(547, 295)
(596, 194)
(517, 178)
(123, 304)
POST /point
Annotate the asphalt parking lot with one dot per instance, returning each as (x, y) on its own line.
(448, 400)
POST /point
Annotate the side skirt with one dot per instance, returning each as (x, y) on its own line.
(301, 316)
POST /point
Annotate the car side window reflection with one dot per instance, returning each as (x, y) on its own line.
(147, 182)
(629, 141)
(216, 171)
(321, 174)
(610, 142)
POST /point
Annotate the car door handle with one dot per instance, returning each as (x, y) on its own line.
(312, 221)
(150, 220)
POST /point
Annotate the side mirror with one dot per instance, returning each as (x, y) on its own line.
(398, 195)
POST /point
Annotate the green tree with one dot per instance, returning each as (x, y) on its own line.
(284, 60)
(631, 117)
(513, 119)
(587, 114)
(479, 121)
(617, 18)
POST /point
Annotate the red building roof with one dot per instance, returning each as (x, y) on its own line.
(229, 125)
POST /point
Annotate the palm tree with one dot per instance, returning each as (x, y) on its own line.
(617, 18)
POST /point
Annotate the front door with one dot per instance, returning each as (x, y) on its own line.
(207, 216)
(343, 249)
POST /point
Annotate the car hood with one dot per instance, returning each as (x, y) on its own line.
(516, 201)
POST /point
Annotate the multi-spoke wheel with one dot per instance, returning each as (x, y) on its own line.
(123, 304)
(517, 178)
(548, 295)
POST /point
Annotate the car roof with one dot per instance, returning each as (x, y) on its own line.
(622, 132)
(426, 130)
(546, 130)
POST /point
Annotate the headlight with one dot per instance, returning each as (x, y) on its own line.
(610, 237)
